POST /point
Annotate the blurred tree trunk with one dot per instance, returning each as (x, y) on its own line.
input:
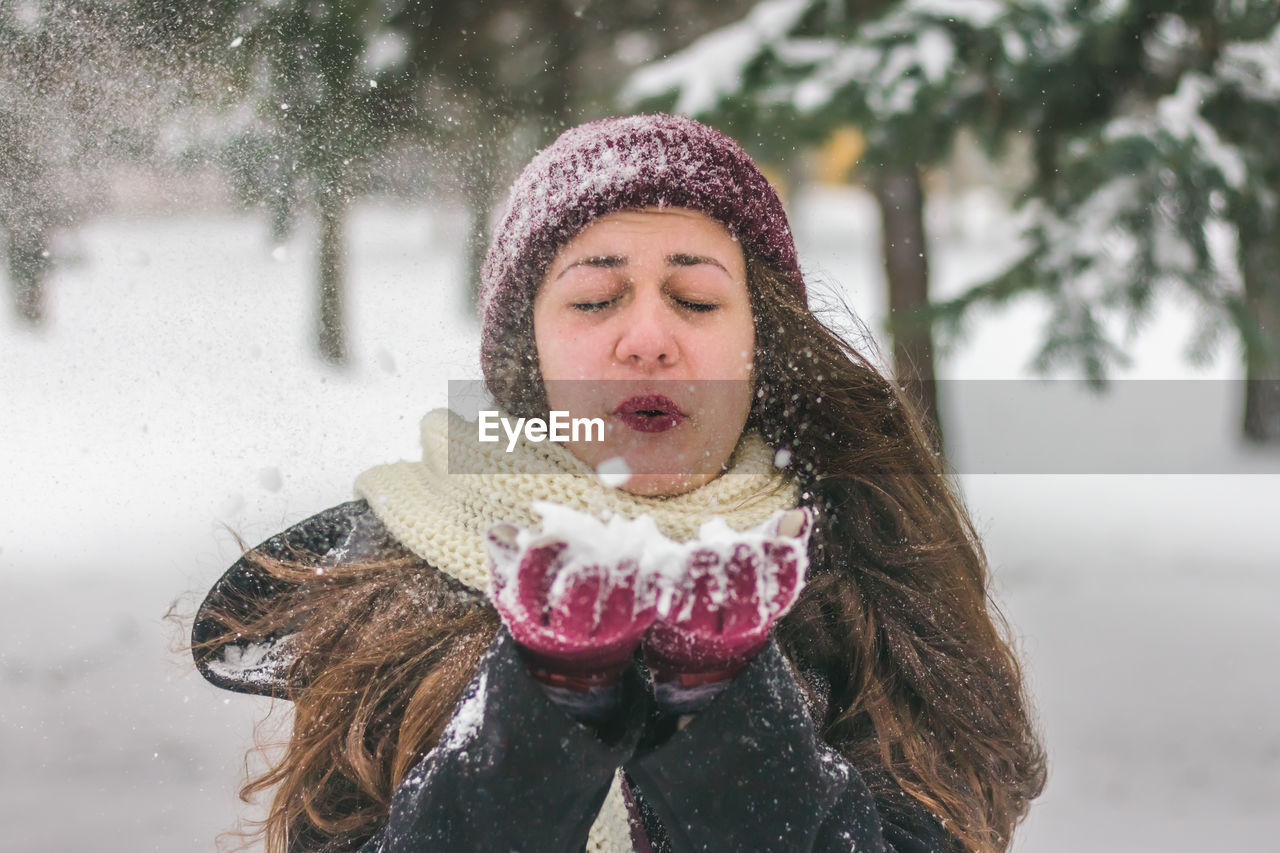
(333, 208)
(27, 261)
(281, 211)
(557, 90)
(553, 91)
(481, 193)
(1261, 268)
(901, 199)
(30, 206)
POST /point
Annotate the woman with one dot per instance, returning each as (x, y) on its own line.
(823, 679)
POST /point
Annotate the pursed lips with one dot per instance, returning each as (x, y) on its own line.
(650, 413)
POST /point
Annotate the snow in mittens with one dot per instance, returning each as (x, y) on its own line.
(623, 548)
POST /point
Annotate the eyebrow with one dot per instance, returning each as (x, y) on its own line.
(678, 259)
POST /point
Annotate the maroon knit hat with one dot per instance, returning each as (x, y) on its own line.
(618, 164)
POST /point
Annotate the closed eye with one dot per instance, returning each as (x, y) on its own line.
(592, 307)
(697, 307)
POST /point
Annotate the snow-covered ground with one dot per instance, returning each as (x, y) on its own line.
(172, 398)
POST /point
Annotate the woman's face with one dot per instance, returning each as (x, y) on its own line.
(644, 320)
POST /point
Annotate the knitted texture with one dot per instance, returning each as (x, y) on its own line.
(442, 516)
(618, 164)
(611, 832)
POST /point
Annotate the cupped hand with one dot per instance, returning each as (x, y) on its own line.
(716, 614)
(571, 610)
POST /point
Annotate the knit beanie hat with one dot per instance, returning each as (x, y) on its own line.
(618, 164)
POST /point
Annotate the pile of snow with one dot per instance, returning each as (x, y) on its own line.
(634, 553)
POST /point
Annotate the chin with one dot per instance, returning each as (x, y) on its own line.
(663, 485)
(661, 464)
(664, 468)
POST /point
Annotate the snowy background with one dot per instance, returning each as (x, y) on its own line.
(172, 397)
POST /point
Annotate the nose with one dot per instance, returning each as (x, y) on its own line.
(645, 334)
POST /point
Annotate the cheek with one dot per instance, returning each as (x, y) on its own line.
(566, 350)
(546, 342)
(729, 355)
(746, 351)
(552, 342)
(743, 363)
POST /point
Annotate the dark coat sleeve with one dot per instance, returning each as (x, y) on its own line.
(749, 773)
(513, 771)
(264, 664)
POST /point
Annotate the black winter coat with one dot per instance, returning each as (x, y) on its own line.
(515, 772)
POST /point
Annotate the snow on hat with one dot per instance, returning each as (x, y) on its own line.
(618, 164)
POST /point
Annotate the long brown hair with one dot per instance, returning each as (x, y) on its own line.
(923, 693)
(382, 650)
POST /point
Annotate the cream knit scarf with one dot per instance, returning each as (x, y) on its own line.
(442, 516)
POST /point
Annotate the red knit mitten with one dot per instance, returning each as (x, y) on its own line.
(577, 617)
(717, 615)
